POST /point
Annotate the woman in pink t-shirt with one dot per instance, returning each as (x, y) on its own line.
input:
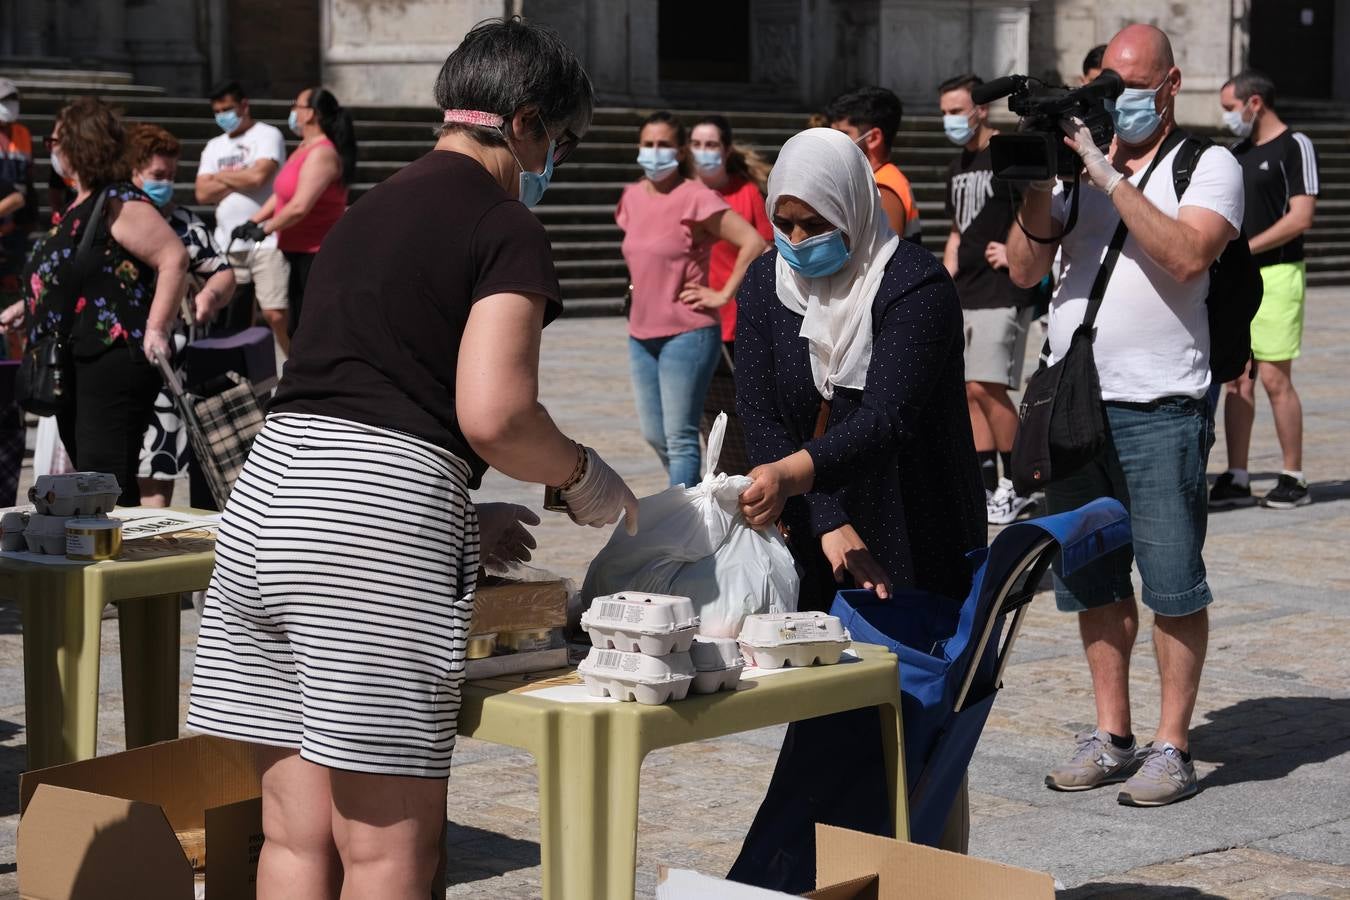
(670, 223)
(310, 192)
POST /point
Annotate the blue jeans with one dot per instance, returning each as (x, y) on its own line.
(670, 380)
(1154, 463)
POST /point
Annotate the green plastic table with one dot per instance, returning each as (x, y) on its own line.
(589, 754)
(62, 609)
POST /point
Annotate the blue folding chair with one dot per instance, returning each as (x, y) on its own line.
(951, 657)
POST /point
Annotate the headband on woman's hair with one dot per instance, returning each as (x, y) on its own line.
(473, 117)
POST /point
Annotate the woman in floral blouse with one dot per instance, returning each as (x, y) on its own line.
(119, 317)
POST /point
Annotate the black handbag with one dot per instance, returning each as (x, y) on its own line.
(1063, 421)
(42, 385)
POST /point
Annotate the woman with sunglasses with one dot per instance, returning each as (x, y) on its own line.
(310, 192)
(114, 309)
(336, 623)
(670, 222)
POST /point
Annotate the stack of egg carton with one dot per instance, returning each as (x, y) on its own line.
(645, 647)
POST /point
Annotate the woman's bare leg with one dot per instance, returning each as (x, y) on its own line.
(299, 859)
(388, 830)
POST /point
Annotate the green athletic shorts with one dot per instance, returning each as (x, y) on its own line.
(1277, 330)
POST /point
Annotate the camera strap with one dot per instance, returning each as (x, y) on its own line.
(1098, 292)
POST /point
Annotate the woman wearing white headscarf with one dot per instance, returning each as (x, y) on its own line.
(850, 385)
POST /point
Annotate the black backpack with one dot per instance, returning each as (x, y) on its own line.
(1235, 286)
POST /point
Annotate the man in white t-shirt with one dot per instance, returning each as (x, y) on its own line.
(236, 173)
(1152, 352)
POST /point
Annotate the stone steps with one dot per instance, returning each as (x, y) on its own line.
(579, 208)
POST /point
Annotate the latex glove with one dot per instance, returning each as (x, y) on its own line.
(601, 496)
(155, 345)
(1100, 172)
(502, 535)
(249, 231)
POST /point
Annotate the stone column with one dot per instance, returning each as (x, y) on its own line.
(162, 43)
(376, 52)
(781, 53)
(96, 31)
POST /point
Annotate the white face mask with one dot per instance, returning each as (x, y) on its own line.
(57, 166)
(1236, 123)
(9, 110)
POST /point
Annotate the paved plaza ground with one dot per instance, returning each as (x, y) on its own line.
(1271, 737)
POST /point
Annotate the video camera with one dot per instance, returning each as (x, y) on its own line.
(1037, 152)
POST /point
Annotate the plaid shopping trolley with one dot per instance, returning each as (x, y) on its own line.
(222, 417)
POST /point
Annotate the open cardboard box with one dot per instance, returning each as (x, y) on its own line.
(853, 866)
(104, 827)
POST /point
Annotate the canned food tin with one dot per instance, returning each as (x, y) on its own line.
(93, 539)
(481, 646)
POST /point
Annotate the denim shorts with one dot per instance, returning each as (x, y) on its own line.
(1154, 463)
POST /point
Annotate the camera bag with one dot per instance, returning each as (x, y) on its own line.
(1235, 286)
(1063, 420)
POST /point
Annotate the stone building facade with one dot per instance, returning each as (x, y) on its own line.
(730, 53)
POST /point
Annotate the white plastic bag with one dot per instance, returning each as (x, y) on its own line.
(694, 542)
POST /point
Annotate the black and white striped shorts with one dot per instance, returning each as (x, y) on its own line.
(338, 612)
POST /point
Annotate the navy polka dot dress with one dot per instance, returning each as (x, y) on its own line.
(897, 459)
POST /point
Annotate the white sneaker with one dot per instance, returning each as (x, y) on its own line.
(1006, 505)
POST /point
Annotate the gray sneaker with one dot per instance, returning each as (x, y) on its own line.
(1096, 762)
(1163, 778)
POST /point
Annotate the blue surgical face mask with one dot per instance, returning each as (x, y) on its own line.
(709, 162)
(159, 192)
(293, 122)
(228, 120)
(658, 162)
(815, 257)
(533, 184)
(1135, 113)
(958, 128)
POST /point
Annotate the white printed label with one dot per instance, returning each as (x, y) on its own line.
(607, 659)
(80, 544)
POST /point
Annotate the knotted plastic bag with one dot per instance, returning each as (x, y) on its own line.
(693, 542)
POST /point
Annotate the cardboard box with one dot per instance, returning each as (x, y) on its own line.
(853, 866)
(105, 827)
(518, 606)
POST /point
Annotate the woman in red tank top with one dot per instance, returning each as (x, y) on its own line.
(310, 192)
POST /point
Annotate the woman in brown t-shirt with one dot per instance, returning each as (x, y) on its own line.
(335, 627)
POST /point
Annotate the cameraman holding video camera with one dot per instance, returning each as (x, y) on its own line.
(1152, 352)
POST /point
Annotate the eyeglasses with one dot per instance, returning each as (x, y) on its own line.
(564, 145)
(50, 141)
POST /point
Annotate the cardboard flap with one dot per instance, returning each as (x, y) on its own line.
(234, 838)
(864, 888)
(184, 777)
(76, 845)
(921, 871)
(686, 884)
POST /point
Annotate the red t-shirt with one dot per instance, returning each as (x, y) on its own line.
(742, 196)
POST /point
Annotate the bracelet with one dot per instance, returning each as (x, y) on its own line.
(578, 473)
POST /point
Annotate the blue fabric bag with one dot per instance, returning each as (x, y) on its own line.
(949, 650)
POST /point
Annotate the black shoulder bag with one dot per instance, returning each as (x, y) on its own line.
(42, 384)
(1063, 422)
